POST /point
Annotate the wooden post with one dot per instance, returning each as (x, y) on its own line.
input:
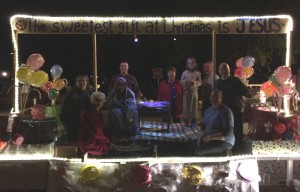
(95, 61)
(214, 57)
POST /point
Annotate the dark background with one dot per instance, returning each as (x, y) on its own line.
(74, 52)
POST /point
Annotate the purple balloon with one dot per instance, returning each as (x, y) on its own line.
(248, 61)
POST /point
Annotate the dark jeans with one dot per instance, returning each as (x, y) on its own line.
(211, 147)
(238, 129)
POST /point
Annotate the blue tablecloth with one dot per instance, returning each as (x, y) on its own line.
(177, 133)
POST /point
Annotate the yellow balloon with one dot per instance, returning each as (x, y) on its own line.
(24, 74)
(248, 71)
(192, 174)
(58, 84)
(38, 78)
(89, 174)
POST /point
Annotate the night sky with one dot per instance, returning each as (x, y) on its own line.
(74, 52)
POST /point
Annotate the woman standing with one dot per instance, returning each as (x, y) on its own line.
(191, 80)
(171, 90)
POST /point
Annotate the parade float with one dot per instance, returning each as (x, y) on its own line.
(30, 153)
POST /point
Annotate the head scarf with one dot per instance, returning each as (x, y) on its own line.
(114, 89)
(120, 80)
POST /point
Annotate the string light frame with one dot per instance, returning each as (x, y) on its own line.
(29, 24)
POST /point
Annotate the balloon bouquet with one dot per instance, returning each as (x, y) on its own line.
(244, 68)
(53, 87)
(280, 85)
(31, 75)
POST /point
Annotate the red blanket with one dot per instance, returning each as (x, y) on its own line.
(91, 136)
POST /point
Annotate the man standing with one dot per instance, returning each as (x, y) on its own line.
(207, 85)
(130, 79)
(171, 90)
(233, 91)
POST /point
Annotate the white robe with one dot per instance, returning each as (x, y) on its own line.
(190, 93)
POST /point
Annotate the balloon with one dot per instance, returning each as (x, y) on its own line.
(3, 145)
(56, 71)
(192, 174)
(279, 128)
(35, 61)
(286, 89)
(268, 88)
(59, 84)
(283, 74)
(53, 94)
(38, 78)
(23, 74)
(243, 170)
(46, 87)
(248, 61)
(17, 139)
(141, 174)
(239, 62)
(89, 174)
(273, 79)
(248, 71)
(239, 72)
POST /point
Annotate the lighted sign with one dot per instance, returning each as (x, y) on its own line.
(151, 25)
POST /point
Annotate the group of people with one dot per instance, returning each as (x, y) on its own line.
(222, 105)
(222, 109)
(82, 118)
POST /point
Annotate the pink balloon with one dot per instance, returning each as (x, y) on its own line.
(286, 89)
(280, 128)
(239, 72)
(283, 74)
(35, 61)
(239, 62)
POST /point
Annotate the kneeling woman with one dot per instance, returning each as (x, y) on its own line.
(92, 139)
(123, 116)
(217, 127)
